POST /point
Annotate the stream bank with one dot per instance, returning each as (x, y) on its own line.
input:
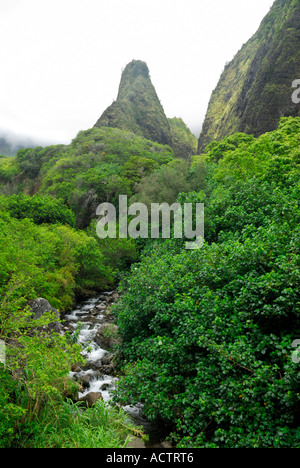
(97, 377)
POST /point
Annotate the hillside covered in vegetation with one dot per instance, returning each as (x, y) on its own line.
(207, 334)
(255, 89)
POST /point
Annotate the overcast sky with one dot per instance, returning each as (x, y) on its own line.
(61, 60)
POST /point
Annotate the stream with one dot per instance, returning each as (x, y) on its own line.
(97, 375)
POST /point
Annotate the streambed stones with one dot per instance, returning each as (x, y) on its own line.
(91, 398)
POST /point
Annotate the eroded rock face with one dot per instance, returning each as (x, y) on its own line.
(40, 307)
(91, 398)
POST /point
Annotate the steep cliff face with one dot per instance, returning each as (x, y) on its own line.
(255, 89)
(137, 108)
(9, 146)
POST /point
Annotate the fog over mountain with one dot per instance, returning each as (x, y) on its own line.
(11, 142)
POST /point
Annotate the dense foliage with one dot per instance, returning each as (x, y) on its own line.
(184, 143)
(208, 333)
(137, 108)
(54, 262)
(43, 256)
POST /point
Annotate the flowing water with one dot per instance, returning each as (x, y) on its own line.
(97, 374)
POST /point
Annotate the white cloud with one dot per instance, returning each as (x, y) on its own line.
(62, 59)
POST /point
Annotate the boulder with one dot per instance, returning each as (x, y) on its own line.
(96, 366)
(115, 296)
(112, 297)
(107, 336)
(91, 398)
(106, 360)
(102, 298)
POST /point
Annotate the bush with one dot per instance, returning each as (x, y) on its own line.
(210, 333)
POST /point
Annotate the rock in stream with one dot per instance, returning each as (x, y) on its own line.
(97, 378)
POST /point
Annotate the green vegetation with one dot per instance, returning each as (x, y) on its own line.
(208, 333)
(70, 425)
(99, 165)
(184, 143)
(8, 169)
(51, 261)
(138, 110)
(58, 263)
(165, 184)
